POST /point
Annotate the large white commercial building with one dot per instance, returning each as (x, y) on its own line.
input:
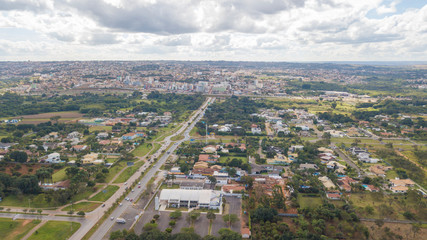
(191, 198)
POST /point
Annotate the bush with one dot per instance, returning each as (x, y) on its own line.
(81, 213)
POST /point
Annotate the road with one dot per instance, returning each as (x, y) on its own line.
(81, 220)
(104, 228)
(348, 160)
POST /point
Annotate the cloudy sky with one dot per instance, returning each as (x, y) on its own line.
(250, 30)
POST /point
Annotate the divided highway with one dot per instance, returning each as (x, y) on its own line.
(97, 214)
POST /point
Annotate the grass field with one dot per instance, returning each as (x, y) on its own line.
(59, 175)
(85, 194)
(54, 230)
(100, 128)
(306, 201)
(156, 148)
(24, 201)
(82, 206)
(142, 149)
(114, 170)
(125, 175)
(361, 200)
(45, 117)
(225, 158)
(16, 229)
(101, 196)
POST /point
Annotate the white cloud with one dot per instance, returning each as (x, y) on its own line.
(292, 30)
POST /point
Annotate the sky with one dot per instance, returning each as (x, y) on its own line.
(237, 30)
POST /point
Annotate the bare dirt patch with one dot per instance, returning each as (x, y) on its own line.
(402, 229)
(71, 114)
(23, 170)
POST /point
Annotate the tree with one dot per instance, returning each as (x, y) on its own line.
(248, 181)
(176, 214)
(211, 216)
(193, 216)
(227, 234)
(264, 214)
(334, 105)
(230, 219)
(212, 179)
(19, 156)
(55, 119)
(416, 228)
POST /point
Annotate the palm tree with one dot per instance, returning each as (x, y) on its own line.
(230, 219)
(211, 216)
(193, 216)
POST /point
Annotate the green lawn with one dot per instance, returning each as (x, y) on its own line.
(84, 195)
(142, 149)
(156, 148)
(100, 128)
(391, 174)
(59, 175)
(101, 196)
(114, 170)
(16, 229)
(125, 175)
(224, 159)
(23, 201)
(361, 200)
(305, 200)
(82, 206)
(54, 230)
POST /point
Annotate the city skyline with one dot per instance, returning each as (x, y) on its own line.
(331, 30)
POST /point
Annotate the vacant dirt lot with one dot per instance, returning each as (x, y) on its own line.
(24, 169)
(404, 230)
(45, 117)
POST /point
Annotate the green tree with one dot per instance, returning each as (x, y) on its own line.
(230, 219)
(19, 156)
(211, 216)
(193, 216)
(176, 214)
(227, 234)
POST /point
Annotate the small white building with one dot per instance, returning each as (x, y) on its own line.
(53, 158)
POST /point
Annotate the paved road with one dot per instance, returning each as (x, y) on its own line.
(81, 220)
(104, 228)
(348, 160)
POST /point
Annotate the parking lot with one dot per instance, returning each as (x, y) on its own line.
(201, 226)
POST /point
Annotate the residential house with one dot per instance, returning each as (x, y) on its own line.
(129, 136)
(91, 158)
(79, 148)
(333, 195)
(306, 166)
(74, 134)
(102, 135)
(53, 158)
(344, 183)
(208, 158)
(255, 129)
(209, 149)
